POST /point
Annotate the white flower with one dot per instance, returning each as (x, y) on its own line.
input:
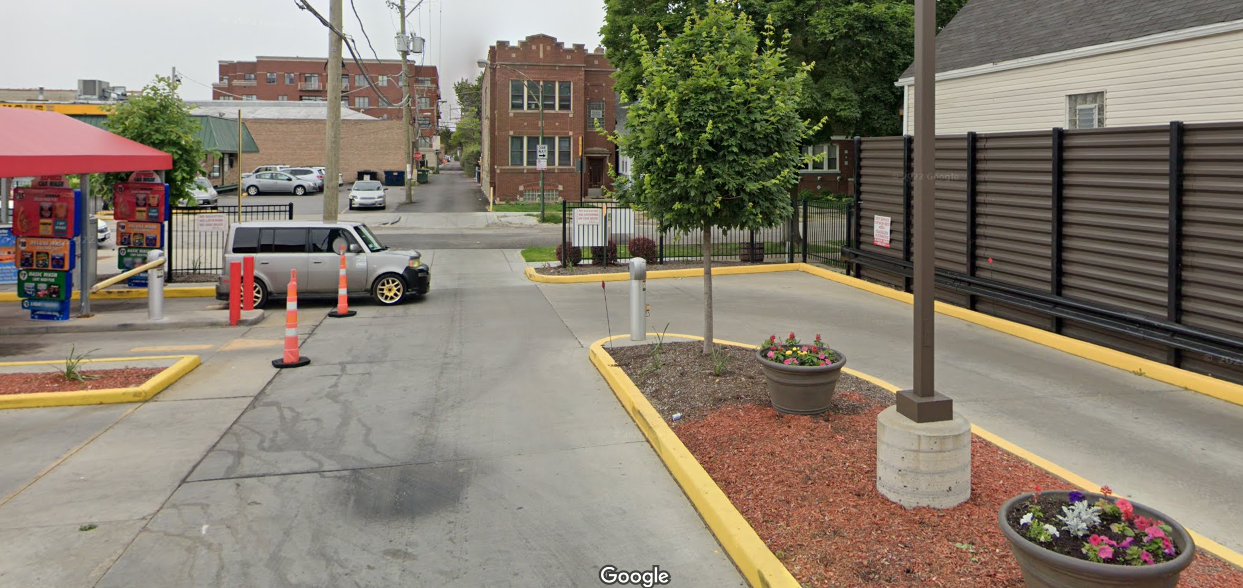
(1051, 530)
(1026, 520)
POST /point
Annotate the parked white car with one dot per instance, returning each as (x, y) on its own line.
(103, 232)
(203, 192)
(367, 194)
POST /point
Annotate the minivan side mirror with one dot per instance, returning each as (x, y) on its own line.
(355, 248)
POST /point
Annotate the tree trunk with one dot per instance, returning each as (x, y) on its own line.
(707, 251)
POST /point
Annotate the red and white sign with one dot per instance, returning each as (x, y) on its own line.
(146, 177)
(138, 201)
(45, 212)
(880, 231)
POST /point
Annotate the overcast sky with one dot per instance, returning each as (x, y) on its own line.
(128, 42)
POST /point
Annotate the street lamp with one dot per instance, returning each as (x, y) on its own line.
(483, 63)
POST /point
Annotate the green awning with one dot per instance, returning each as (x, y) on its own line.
(218, 134)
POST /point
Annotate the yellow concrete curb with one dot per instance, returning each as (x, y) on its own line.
(140, 393)
(1190, 381)
(130, 293)
(732, 270)
(740, 541)
(713, 498)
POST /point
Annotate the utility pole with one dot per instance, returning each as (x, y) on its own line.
(238, 165)
(405, 110)
(333, 134)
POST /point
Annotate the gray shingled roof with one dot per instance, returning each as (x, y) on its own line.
(991, 31)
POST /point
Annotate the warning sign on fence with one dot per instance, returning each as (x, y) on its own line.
(588, 227)
(880, 231)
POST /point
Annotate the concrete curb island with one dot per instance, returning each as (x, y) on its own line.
(744, 546)
(131, 293)
(182, 365)
(1191, 381)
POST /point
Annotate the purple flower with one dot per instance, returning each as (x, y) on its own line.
(1075, 496)
(1126, 542)
(1146, 557)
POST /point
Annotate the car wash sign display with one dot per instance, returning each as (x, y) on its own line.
(47, 210)
(140, 207)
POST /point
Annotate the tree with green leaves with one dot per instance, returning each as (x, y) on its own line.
(469, 95)
(467, 137)
(160, 119)
(715, 133)
(859, 48)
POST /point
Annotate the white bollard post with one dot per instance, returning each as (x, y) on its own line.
(638, 299)
(155, 287)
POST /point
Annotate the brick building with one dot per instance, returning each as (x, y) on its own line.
(577, 94)
(305, 79)
(835, 172)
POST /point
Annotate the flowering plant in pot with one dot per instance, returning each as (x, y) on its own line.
(801, 376)
(1068, 539)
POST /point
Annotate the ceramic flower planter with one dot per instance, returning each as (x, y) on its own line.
(796, 389)
(1048, 569)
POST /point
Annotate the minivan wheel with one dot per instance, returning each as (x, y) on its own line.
(253, 190)
(388, 289)
(299, 190)
(260, 293)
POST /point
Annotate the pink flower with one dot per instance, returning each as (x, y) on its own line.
(1153, 532)
(1128, 510)
(1168, 547)
(1146, 557)
(773, 338)
(1142, 523)
(822, 363)
(1095, 539)
(789, 361)
(771, 355)
(1107, 552)
(821, 356)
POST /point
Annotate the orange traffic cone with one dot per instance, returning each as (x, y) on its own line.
(291, 358)
(343, 299)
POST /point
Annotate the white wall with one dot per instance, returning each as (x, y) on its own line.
(1195, 80)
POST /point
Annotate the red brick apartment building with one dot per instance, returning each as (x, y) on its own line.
(305, 79)
(577, 93)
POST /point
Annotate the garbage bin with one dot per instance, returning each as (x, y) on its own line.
(422, 175)
(394, 178)
(367, 174)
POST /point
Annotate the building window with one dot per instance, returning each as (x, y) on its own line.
(313, 99)
(425, 142)
(271, 78)
(553, 95)
(362, 102)
(282, 98)
(563, 96)
(828, 158)
(425, 102)
(558, 151)
(515, 150)
(345, 82)
(1086, 111)
(289, 79)
(563, 151)
(360, 80)
(425, 122)
(226, 97)
(516, 95)
(550, 95)
(595, 113)
(248, 77)
(423, 81)
(381, 81)
(224, 80)
(310, 81)
(250, 97)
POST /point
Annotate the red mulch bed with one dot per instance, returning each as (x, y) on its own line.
(808, 487)
(55, 382)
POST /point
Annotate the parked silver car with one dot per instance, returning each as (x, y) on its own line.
(275, 182)
(367, 194)
(309, 174)
(311, 248)
(203, 192)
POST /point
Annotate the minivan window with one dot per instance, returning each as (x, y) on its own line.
(282, 241)
(323, 239)
(246, 240)
(369, 238)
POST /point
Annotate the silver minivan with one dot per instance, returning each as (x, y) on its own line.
(311, 248)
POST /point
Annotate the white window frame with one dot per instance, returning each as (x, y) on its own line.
(1098, 108)
(821, 167)
(362, 102)
(381, 81)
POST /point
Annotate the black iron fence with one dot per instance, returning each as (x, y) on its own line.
(195, 240)
(605, 232)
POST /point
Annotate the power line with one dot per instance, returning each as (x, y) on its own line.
(349, 45)
(364, 30)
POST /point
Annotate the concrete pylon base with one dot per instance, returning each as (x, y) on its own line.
(923, 464)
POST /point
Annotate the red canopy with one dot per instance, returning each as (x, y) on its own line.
(39, 143)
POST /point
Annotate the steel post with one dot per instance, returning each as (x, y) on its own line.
(155, 287)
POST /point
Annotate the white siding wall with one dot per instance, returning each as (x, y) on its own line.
(1197, 80)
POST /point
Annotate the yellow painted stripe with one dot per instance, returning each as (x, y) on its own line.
(1191, 381)
(170, 348)
(153, 386)
(131, 293)
(624, 388)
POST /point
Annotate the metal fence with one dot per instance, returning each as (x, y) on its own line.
(1130, 238)
(606, 232)
(198, 255)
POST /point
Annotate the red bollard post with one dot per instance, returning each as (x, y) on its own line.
(343, 298)
(235, 293)
(291, 358)
(248, 282)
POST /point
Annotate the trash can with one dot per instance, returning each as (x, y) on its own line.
(394, 178)
(367, 174)
(422, 175)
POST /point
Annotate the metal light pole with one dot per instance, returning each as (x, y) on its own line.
(486, 63)
(923, 404)
(405, 110)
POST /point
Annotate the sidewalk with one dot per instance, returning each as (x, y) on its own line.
(1178, 451)
(125, 315)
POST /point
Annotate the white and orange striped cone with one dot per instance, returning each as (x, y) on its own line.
(343, 298)
(291, 358)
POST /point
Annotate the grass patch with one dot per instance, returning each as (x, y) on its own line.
(517, 208)
(550, 218)
(539, 254)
